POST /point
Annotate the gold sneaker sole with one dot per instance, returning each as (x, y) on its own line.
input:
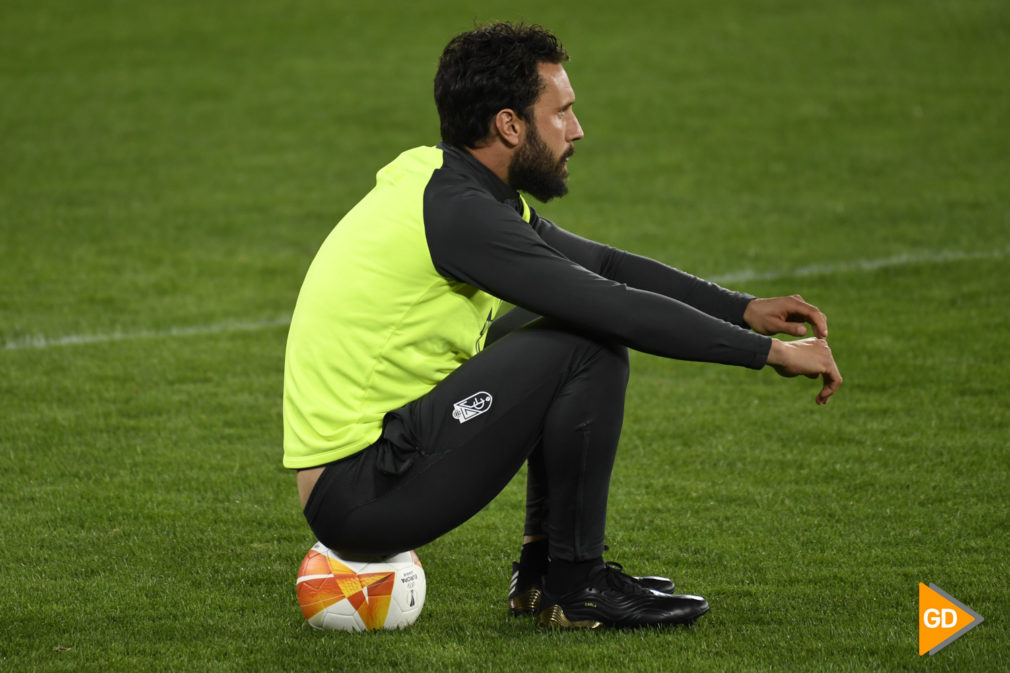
(554, 617)
(526, 603)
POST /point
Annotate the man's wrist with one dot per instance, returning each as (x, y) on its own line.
(776, 354)
(744, 321)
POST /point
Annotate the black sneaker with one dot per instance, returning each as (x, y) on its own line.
(663, 585)
(611, 598)
(525, 593)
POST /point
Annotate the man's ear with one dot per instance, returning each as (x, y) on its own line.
(510, 127)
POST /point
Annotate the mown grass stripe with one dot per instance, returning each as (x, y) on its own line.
(742, 276)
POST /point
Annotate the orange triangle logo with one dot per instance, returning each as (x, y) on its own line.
(942, 619)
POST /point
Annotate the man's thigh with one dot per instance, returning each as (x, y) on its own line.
(444, 456)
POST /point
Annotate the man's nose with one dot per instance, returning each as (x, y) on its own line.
(576, 132)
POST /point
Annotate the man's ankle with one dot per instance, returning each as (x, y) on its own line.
(565, 576)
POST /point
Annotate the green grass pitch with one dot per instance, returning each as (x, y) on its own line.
(167, 170)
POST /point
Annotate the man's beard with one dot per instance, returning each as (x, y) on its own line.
(534, 170)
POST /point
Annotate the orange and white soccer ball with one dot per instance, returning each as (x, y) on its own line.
(343, 595)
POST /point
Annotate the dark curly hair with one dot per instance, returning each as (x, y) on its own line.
(489, 69)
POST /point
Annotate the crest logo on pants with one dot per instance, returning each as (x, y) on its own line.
(471, 407)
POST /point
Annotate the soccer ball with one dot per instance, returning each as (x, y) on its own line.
(344, 595)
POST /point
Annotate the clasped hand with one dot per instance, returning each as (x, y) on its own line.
(809, 357)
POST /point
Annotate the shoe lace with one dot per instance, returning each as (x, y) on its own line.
(615, 576)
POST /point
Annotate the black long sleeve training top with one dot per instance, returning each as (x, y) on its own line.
(402, 292)
(476, 235)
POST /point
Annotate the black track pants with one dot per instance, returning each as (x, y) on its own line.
(542, 393)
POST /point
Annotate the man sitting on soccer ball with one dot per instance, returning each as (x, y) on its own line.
(403, 423)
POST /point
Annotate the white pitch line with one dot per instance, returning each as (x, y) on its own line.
(743, 276)
(906, 259)
(39, 342)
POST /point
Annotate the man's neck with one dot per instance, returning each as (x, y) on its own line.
(495, 157)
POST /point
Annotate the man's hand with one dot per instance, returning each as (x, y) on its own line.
(785, 315)
(808, 357)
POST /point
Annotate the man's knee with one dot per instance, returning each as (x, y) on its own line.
(596, 352)
(560, 347)
(617, 360)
